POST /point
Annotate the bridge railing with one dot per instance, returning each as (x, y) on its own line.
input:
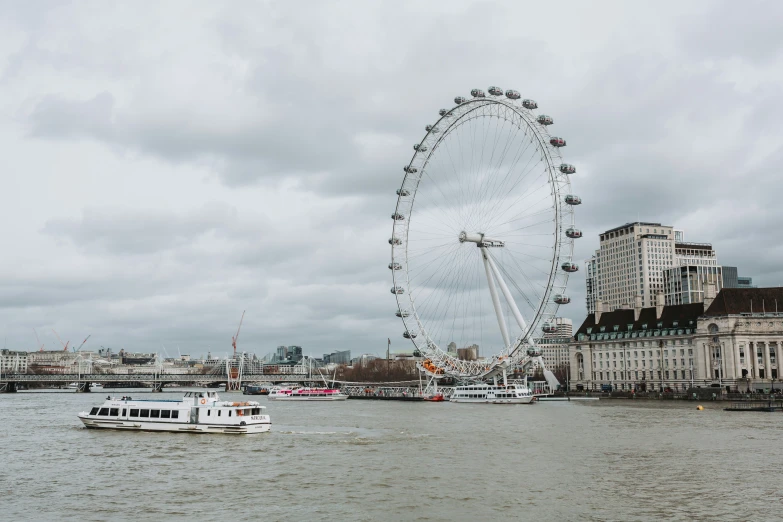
(145, 377)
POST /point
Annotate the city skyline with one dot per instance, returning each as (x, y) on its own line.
(151, 196)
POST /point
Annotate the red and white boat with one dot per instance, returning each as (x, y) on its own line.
(306, 394)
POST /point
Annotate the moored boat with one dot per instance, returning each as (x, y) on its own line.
(197, 412)
(255, 389)
(306, 394)
(493, 394)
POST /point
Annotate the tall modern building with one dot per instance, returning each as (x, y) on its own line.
(631, 261)
(695, 265)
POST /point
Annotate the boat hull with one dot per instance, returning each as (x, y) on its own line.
(488, 400)
(93, 423)
(291, 398)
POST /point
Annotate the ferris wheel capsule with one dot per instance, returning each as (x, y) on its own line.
(533, 351)
(402, 313)
(459, 100)
(477, 93)
(567, 168)
(397, 290)
(399, 217)
(529, 104)
(513, 95)
(545, 120)
(419, 147)
(569, 267)
(395, 241)
(432, 128)
(549, 327)
(409, 335)
(557, 142)
(403, 192)
(570, 199)
(495, 91)
(410, 170)
(562, 299)
(395, 266)
(573, 233)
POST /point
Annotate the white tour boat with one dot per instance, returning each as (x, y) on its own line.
(197, 412)
(494, 394)
(305, 394)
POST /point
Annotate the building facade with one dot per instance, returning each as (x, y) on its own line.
(13, 361)
(731, 341)
(630, 261)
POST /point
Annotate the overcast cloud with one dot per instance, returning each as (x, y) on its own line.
(167, 165)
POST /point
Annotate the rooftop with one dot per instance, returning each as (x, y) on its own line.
(680, 314)
(736, 301)
(640, 223)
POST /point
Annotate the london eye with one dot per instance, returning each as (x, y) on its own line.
(482, 237)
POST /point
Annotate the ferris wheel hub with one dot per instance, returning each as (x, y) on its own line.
(480, 239)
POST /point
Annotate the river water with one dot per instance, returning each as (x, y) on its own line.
(378, 460)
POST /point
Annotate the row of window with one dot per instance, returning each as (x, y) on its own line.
(240, 412)
(139, 413)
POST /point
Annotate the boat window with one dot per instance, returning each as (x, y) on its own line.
(94, 411)
(188, 394)
(175, 414)
(134, 413)
(165, 414)
(103, 411)
(209, 413)
(219, 412)
(123, 412)
(229, 413)
(145, 413)
(155, 413)
(114, 412)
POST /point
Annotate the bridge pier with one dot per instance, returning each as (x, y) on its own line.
(83, 387)
(157, 387)
(8, 387)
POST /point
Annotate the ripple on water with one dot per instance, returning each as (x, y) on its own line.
(396, 461)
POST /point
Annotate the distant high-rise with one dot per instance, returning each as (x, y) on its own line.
(732, 280)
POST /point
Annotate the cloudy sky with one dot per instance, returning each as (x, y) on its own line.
(166, 165)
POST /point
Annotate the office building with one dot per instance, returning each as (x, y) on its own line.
(630, 261)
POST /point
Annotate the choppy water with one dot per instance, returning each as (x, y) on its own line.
(366, 460)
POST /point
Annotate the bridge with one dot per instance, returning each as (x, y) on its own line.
(10, 382)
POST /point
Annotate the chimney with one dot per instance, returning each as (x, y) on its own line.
(709, 295)
(599, 309)
(637, 307)
(659, 301)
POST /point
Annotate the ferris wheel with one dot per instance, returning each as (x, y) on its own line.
(482, 242)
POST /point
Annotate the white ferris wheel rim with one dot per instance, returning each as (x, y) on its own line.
(562, 246)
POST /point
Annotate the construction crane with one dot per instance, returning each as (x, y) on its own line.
(40, 346)
(234, 339)
(65, 345)
(85, 340)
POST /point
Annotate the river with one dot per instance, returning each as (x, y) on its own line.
(378, 461)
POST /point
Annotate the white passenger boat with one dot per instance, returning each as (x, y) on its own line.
(306, 394)
(494, 394)
(197, 412)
